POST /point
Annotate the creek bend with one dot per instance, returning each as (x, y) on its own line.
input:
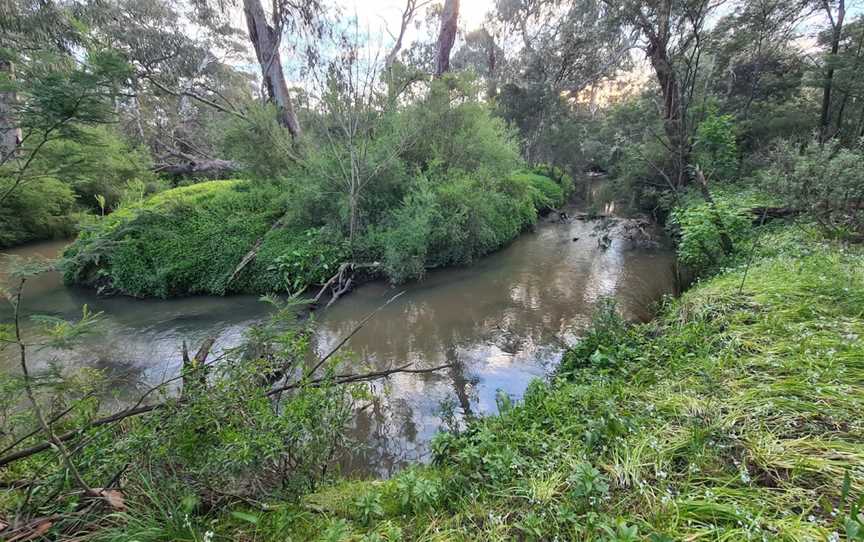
(502, 322)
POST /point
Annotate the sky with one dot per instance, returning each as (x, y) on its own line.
(379, 15)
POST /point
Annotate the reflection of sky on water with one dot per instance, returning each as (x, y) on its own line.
(501, 322)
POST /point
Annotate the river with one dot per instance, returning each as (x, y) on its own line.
(502, 321)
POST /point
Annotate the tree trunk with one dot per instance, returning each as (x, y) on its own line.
(266, 39)
(492, 60)
(837, 27)
(447, 36)
(673, 123)
(10, 133)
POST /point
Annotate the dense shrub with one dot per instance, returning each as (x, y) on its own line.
(41, 208)
(91, 172)
(183, 241)
(825, 181)
(701, 228)
(715, 148)
(98, 163)
(455, 221)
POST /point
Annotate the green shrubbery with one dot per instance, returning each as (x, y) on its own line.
(68, 177)
(439, 184)
(720, 420)
(185, 240)
(824, 181)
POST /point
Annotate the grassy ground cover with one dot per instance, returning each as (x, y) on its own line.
(733, 416)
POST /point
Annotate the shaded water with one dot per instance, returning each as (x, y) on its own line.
(502, 321)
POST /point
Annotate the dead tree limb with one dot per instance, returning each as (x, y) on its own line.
(252, 254)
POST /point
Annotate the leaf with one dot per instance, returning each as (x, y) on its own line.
(34, 530)
(115, 499)
(245, 516)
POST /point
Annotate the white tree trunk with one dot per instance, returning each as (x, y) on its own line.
(265, 39)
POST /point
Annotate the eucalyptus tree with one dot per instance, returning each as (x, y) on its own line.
(835, 11)
(849, 118)
(546, 52)
(446, 36)
(482, 52)
(759, 66)
(672, 34)
(56, 82)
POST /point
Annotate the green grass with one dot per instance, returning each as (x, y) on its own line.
(733, 416)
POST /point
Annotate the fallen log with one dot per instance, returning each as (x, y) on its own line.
(773, 212)
(210, 168)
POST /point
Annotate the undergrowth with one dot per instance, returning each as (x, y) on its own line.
(190, 240)
(733, 416)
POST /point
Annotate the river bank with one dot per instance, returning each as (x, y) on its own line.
(505, 320)
(732, 416)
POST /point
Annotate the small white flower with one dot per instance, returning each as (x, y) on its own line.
(834, 537)
(208, 536)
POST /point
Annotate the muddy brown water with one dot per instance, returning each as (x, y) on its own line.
(502, 322)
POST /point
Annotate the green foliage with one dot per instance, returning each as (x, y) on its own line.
(720, 420)
(97, 163)
(222, 438)
(452, 131)
(825, 181)
(258, 142)
(455, 220)
(42, 208)
(701, 226)
(187, 240)
(65, 152)
(714, 147)
(546, 193)
(598, 348)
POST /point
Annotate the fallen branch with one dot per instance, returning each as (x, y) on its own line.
(252, 254)
(209, 167)
(339, 283)
(354, 331)
(351, 378)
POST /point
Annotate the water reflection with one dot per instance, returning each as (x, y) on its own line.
(499, 323)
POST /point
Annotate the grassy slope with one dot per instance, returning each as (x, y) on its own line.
(734, 416)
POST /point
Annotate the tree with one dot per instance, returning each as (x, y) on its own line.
(10, 132)
(672, 30)
(836, 22)
(446, 36)
(266, 39)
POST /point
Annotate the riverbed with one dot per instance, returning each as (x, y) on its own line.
(501, 322)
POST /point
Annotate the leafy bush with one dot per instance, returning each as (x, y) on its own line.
(42, 208)
(545, 193)
(599, 347)
(825, 181)
(715, 148)
(453, 222)
(184, 241)
(701, 228)
(98, 163)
